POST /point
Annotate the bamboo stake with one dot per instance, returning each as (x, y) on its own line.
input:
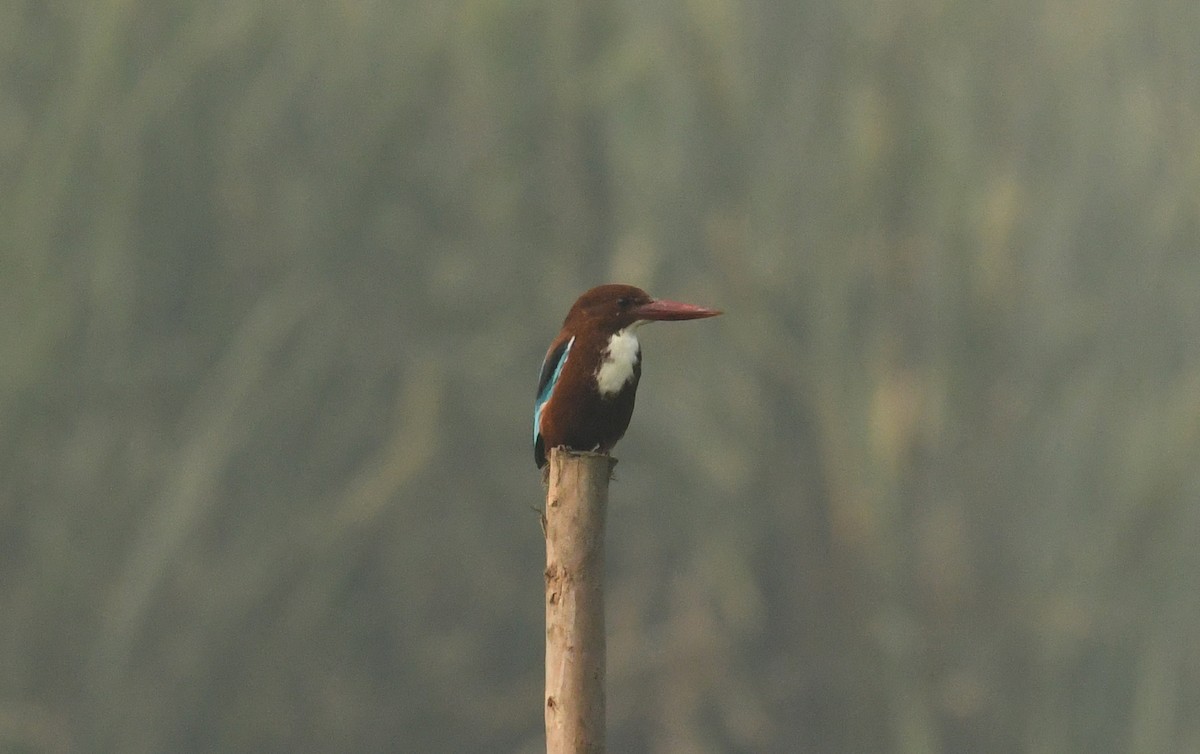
(576, 501)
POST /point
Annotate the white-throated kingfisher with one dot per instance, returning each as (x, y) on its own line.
(589, 379)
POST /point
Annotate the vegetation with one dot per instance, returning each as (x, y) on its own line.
(276, 280)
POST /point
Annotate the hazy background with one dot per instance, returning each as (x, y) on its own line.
(276, 279)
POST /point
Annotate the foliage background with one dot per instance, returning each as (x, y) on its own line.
(276, 279)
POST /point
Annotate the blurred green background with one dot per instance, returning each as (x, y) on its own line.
(276, 282)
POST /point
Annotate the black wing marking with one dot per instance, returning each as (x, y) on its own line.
(551, 368)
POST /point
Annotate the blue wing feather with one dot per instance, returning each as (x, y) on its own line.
(551, 369)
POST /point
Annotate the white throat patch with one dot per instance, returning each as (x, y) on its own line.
(616, 369)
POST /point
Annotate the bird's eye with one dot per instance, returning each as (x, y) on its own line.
(624, 302)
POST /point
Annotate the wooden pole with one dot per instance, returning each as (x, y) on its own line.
(576, 500)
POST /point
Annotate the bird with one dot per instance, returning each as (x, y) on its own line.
(590, 375)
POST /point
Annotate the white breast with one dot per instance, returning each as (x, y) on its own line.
(622, 354)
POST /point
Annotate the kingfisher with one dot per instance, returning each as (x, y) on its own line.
(590, 375)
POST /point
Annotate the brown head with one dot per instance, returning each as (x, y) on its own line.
(611, 308)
